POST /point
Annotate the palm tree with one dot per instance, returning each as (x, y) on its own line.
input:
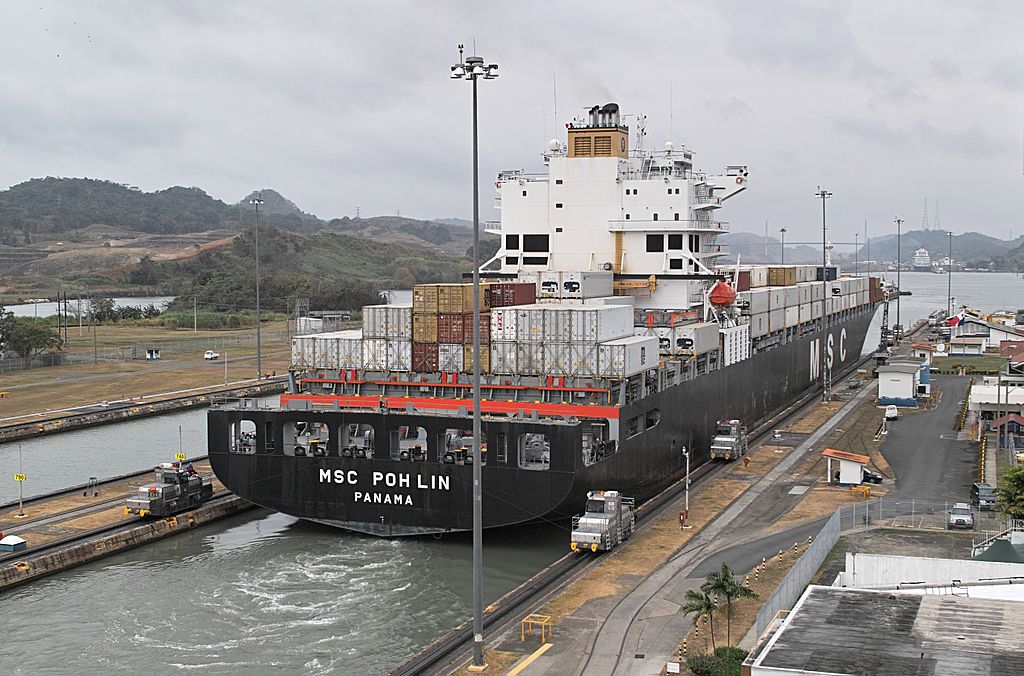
(724, 582)
(702, 604)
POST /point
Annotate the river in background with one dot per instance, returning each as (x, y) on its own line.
(74, 303)
(263, 592)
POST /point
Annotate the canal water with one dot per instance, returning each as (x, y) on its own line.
(262, 592)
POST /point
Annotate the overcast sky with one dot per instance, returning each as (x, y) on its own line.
(339, 104)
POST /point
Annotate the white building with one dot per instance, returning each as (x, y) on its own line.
(897, 384)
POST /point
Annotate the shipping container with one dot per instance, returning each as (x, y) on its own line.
(586, 323)
(424, 298)
(382, 354)
(424, 327)
(805, 291)
(760, 300)
(450, 357)
(424, 357)
(458, 328)
(817, 291)
(828, 274)
(805, 313)
(779, 275)
(792, 296)
(458, 298)
(792, 316)
(549, 285)
(734, 343)
(816, 309)
(758, 276)
(743, 280)
(485, 358)
(759, 325)
(530, 323)
(776, 320)
(505, 357)
(530, 358)
(624, 357)
(503, 323)
(701, 337)
(508, 294)
(388, 321)
(776, 299)
(590, 284)
(575, 359)
(335, 350)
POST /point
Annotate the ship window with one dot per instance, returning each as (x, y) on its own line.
(655, 243)
(535, 260)
(675, 264)
(524, 193)
(677, 191)
(670, 191)
(694, 242)
(558, 205)
(655, 216)
(677, 215)
(627, 217)
(558, 181)
(511, 260)
(305, 438)
(512, 242)
(652, 418)
(558, 230)
(534, 451)
(633, 427)
(243, 437)
(501, 448)
(536, 243)
(675, 242)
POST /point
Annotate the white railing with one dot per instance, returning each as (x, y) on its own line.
(638, 225)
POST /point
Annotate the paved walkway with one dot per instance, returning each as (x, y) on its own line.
(637, 632)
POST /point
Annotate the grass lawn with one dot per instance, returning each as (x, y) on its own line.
(988, 363)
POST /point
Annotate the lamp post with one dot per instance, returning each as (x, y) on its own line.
(856, 259)
(257, 201)
(686, 453)
(472, 68)
(899, 266)
(823, 195)
(782, 231)
(949, 277)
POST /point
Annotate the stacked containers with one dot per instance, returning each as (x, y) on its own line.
(387, 337)
(442, 326)
(336, 350)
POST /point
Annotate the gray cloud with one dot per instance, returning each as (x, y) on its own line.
(944, 68)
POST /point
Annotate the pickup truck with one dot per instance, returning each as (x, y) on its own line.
(960, 516)
(210, 355)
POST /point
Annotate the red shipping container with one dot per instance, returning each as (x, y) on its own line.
(458, 328)
(424, 357)
(505, 294)
(743, 281)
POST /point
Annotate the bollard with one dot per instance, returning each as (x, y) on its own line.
(809, 539)
(684, 648)
(795, 545)
(780, 556)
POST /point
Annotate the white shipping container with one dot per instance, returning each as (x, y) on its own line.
(530, 323)
(817, 291)
(503, 323)
(792, 316)
(776, 298)
(792, 296)
(575, 359)
(388, 321)
(549, 285)
(759, 301)
(591, 284)
(758, 276)
(306, 325)
(450, 357)
(735, 343)
(303, 352)
(586, 323)
(339, 350)
(382, 354)
(805, 312)
(816, 310)
(805, 293)
(530, 357)
(701, 337)
(505, 357)
(625, 357)
(759, 325)
(776, 320)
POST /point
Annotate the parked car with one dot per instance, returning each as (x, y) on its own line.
(983, 496)
(210, 354)
(870, 477)
(960, 516)
(891, 412)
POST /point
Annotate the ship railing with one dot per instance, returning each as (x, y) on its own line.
(639, 225)
(492, 226)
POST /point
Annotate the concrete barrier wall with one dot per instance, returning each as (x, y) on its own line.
(34, 567)
(873, 570)
(789, 590)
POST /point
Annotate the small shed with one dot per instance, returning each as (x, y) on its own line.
(923, 352)
(897, 384)
(851, 466)
(966, 347)
(12, 543)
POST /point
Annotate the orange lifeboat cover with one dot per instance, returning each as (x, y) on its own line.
(722, 294)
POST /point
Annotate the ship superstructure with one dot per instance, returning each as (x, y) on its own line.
(922, 261)
(611, 342)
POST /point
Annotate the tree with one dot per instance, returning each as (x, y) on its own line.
(1011, 493)
(6, 318)
(725, 584)
(702, 604)
(102, 309)
(29, 336)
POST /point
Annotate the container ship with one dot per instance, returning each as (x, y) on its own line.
(612, 341)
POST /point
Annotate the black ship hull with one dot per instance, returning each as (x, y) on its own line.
(392, 497)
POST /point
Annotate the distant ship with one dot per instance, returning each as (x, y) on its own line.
(922, 262)
(612, 343)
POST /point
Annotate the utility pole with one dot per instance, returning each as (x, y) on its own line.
(856, 249)
(782, 231)
(195, 315)
(826, 377)
(257, 201)
(949, 276)
(899, 266)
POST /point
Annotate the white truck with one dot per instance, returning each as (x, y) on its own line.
(608, 522)
(730, 442)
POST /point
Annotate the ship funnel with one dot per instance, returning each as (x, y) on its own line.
(595, 116)
(610, 115)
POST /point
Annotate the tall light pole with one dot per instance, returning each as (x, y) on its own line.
(899, 266)
(949, 277)
(856, 252)
(826, 379)
(257, 201)
(782, 231)
(472, 68)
